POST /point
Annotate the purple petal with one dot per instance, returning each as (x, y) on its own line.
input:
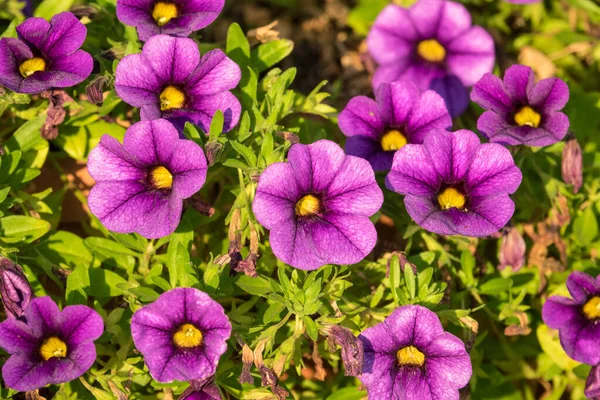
(490, 94)
(34, 31)
(151, 142)
(361, 117)
(549, 95)
(471, 55)
(451, 153)
(454, 20)
(23, 372)
(519, 80)
(202, 12)
(80, 324)
(9, 65)
(276, 195)
(315, 165)
(453, 92)
(65, 37)
(492, 172)
(429, 113)
(581, 286)
(391, 38)
(369, 149)
(42, 316)
(557, 125)
(109, 161)
(203, 109)
(136, 82)
(162, 218)
(448, 365)
(396, 102)
(135, 12)
(215, 73)
(390, 73)
(592, 384)
(65, 71)
(413, 384)
(378, 376)
(380, 339)
(293, 244)
(413, 172)
(425, 16)
(580, 341)
(559, 311)
(16, 337)
(414, 325)
(172, 59)
(188, 166)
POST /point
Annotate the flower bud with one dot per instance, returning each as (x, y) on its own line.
(14, 288)
(95, 90)
(592, 385)
(512, 250)
(213, 149)
(572, 164)
(84, 11)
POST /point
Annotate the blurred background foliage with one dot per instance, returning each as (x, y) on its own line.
(297, 74)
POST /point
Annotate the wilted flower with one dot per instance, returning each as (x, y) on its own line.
(512, 250)
(170, 80)
(433, 44)
(95, 90)
(140, 185)
(51, 346)
(410, 356)
(170, 17)
(454, 185)
(592, 385)
(577, 319)
(14, 288)
(401, 114)
(45, 55)
(181, 335)
(352, 348)
(56, 112)
(521, 111)
(572, 164)
(317, 206)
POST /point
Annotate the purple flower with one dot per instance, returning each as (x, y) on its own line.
(572, 164)
(410, 356)
(521, 111)
(51, 346)
(317, 206)
(399, 115)
(170, 80)
(140, 185)
(577, 319)
(454, 185)
(181, 335)
(512, 250)
(15, 290)
(45, 55)
(169, 17)
(592, 384)
(434, 45)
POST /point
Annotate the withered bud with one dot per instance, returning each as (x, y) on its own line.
(403, 263)
(235, 239)
(512, 250)
(115, 53)
(269, 379)
(247, 266)
(15, 290)
(213, 149)
(2, 91)
(84, 11)
(56, 113)
(352, 348)
(201, 206)
(289, 136)
(34, 395)
(316, 357)
(572, 164)
(247, 361)
(95, 90)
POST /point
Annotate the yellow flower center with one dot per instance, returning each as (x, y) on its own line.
(410, 356)
(53, 347)
(164, 12)
(187, 336)
(31, 66)
(528, 116)
(161, 178)
(307, 206)
(393, 140)
(591, 309)
(171, 97)
(431, 50)
(451, 198)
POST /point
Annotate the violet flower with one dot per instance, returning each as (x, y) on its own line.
(181, 335)
(15, 290)
(577, 319)
(45, 55)
(51, 346)
(170, 80)
(512, 250)
(169, 17)
(520, 111)
(433, 44)
(572, 164)
(454, 185)
(410, 356)
(140, 185)
(317, 206)
(400, 114)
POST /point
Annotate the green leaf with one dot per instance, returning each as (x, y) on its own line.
(111, 252)
(106, 283)
(270, 53)
(409, 279)
(78, 283)
(348, 393)
(66, 249)
(395, 277)
(585, 227)
(311, 328)
(273, 312)
(377, 296)
(177, 260)
(216, 125)
(495, 286)
(238, 48)
(49, 8)
(257, 286)
(22, 229)
(27, 137)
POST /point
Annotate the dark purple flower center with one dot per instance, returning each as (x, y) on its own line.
(410, 356)
(392, 140)
(53, 347)
(452, 197)
(431, 51)
(591, 309)
(308, 206)
(164, 11)
(527, 116)
(187, 336)
(31, 66)
(160, 178)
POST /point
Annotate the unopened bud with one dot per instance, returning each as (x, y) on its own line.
(213, 149)
(592, 385)
(95, 90)
(512, 250)
(14, 288)
(84, 11)
(572, 164)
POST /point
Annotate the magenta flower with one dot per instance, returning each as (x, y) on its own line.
(140, 185)
(181, 335)
(50, 346)
(169, 80)
(400, 114)
(46, 55)
(169, 17)
(317, 206)
(410, 356)
(15, 291)
(454, 185)
(521, 111)
(433, 44)
(577, 319)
